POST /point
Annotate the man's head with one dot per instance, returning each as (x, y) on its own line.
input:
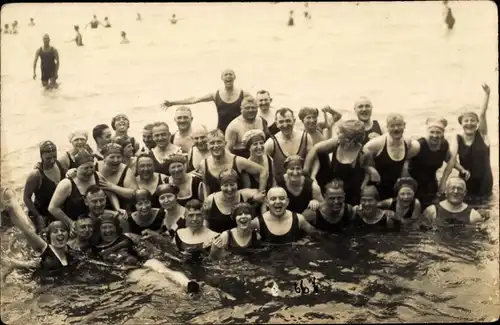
(249, 108)
(161, 134)
(228, 76)
(216, 143)
(395, 125)
(363, 108)
(277, 201)
(46, 40)
(456, 189)
(199, 136)
(264, 100)
(95, 199)
(147, 136)
(285, 120)
(102, 134)
(84, 227)
(309, 116)
(183, 118)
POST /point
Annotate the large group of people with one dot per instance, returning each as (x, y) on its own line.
(257, 178)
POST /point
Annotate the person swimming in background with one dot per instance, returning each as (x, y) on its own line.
(107, 23)
(94, 23)
(449, 19)
(306, 11)
(6, 29)
(124, 38)
(32, 22)
(290, 19)
(49, 65)
(173, 20)
(14, 27)
(138, 17)
(78, 38)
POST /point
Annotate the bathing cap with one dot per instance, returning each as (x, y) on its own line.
(111, 148)
(47, 147)
(228, 175)
(439, 123)
(253, 135)
(467, 112)
(142, 195)
(353, 130)
(293, 160)
(167, 188)
(175, 158)
(405, 182)
(122, 141)
(83, 157)
(370, 191)
(78, 135)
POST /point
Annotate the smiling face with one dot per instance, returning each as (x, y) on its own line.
(406, 196)
(285, 123)
(183, 119)
(294, 172)
(113, 160)
(177, 170)
(368, 203)
(108, 232)
(395, 128)
(470, 124)
(455, 191)
(161, 136)
(147, 138)
(277, 201)
(96, 202)
(194, 219)
(145, 168)
(59, 236)
(249, 110)
(229, 188)
(264, 101)
(79, 143)
(335, 198)
(216, 146)
(243, 220)
(84, 229)
(199, 137)
(228, 76)
(257, 147)
(363, 109)
(168, 200)
(85, 171)
(143, 207)
(435, 135)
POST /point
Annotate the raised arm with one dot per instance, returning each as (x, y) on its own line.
(62, 192)
(255, 170)
(190, 100)
(452, 160)
(483, 125)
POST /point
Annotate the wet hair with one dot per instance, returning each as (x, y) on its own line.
(282, 112)
(194, 204)
(241, 208)
(216, 133)
(83, 157)
(334, 185)
(394, 117)
(468, 112)
(293, 160)
(113, 120)
(142, 156)
(98, 130)
(93, 189)
(160, 124)
(141, 194)
(148, 127)
(253, 135)
(167, 188)
(305, 111)
(228, 175)
(262, 92)
(353, 130)
(111, 148)
(248, 100)
(51, 227)
(405, 182)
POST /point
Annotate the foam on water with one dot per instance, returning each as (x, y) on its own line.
(398, 54)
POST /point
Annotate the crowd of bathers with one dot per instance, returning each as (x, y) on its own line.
(259, 177)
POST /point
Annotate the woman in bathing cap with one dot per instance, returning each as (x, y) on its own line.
(241, 238)
(174, 212)
(78, 140)
(369, 218)
(149, 180)
(190, 186)
(254, 142)
(473, 150)
(348, 163)
(434, 150)
(145, 216)
(406, 206)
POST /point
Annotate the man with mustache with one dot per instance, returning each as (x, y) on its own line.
(452, 210)
(391, 153)
(247, 121)
(363, 108)
(279, 225)
(96, 200)
(227, 100)
(182, 137)
(287, 142)
(147, 139)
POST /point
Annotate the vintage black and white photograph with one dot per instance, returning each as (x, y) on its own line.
(258, 162)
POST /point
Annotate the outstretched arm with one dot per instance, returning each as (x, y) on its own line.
(190, 100)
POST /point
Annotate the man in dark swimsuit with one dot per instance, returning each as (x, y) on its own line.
(227, 100)
(363, 108)
(49, 58)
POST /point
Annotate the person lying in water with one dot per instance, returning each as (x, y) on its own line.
(239, 239)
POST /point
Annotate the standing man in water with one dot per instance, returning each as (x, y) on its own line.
(32, 22)
(49, 58)
(227, 100)
(449, 19)
(78, 38)
(94, 23)
(363, 108)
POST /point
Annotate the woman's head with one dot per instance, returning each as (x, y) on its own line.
(113, 154)
(369, 198)
(194, 214)
(143, 204)
(469, 120)
(176, 164)
(78, 139)
(242, 214)
(57, 234)
(435, 129)
(126, 144)
(84, 162)
(167, 195)
(294, 167)
(120, 123)
(309, 117)
(48, 153)
(254, 141)
(228, 180)
(405, 188)
(145, 166)
(351, 132)
(109, 227)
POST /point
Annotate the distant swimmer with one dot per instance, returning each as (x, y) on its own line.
(78, 38)
(14, 27)
(227, 100)
(32, 22)
(306, 11)
(138, 18)
(449, 20)
(6, 29)
(290, 19)
(107, 24)
(94, 23)
(49, 58)
(174, 19)
(124, 38)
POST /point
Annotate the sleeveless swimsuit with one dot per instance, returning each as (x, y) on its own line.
(340, 226)
(374, 129)
(408, 214)
(423, 168)
(389, 171)
(227, 112)
(213, 182)
(218, 221)
(125, 204)
(195, 185)
(476, 159)
(351, 176)
(179, 224)
(254, 183)
(298, 203)
(48, 64)
(75, 206)
(279, 156)
(359, 225)
(454, 218)
(44, 193)
(292, 235)
(72, 163)
(155, 199)
(234, 247)
(155, 225)
(161, 168)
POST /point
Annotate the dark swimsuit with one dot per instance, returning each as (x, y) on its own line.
(161, 168)
(75, 206)
(476, 159)
(452, 218)
(213, 182)
(48, 64)
(155, 225)
(44, 193)
(389, 171)
(72, 163)
(374, 129)
(179, 224)
(300, 202)
(195, 185)
(125, 204)
(340, 226)
(218, 221)
(227, 112)
(408, 214)
(359, 225)
(279, 156)
(423, 168)
(155, 198)
(351, 176)
(234, 247)
(292, 235)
